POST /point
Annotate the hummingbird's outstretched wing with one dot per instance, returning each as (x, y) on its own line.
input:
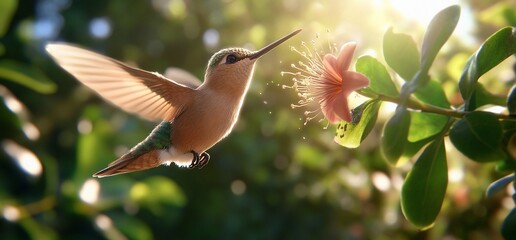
(150, 95)
(183, 77)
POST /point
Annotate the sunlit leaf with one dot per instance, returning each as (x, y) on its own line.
(93, 152)
(395, 134)
(7, 9)
(509, 225)
(27, 76)
(310, 157)
(478, 136)
(350, 135)
(380, 81)
(432, 93)
(499, 185)
(493, 51)
(501, 13)
(511, 101)
(401, 53)
(438, 32)
(423, 192)
(412, 148)
(35, 229)
(424, 125)
(157, 192)
(131, 227)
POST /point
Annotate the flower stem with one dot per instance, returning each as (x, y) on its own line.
(423, 107)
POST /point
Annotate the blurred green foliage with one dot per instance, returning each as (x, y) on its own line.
(272, 178)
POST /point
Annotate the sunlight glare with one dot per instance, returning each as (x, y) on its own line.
(89, 192)
(423, 11)
(103, 222)
(11, 213)
(26, 160)
(381, 181)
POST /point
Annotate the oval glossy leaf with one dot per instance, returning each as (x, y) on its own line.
(511, 101)
(401, 53)
(483, 97)
(380, 81)
(478, 136)
(509, 225)
(350, 135)
(499, 185)
(493, 51)
(394, 136)
(432, 93)
(438, 32)
(425, 125)
(423, 192)
(27, 76)
(7, 9)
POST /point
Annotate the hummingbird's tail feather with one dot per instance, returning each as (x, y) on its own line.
(130, 163)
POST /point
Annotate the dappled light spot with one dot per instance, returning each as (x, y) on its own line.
(211, 38)
(455, 174)
(84, 126)
(89, 192)
(391, 216)
(103, 222)
(100, 27)
(238, 187)
(13, 104)
(30, 131)
(11, 213)
(381, 181)
(24, 158)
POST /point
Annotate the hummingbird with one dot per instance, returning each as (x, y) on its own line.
(180, 101)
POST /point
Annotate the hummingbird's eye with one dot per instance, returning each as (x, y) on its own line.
(231, 58)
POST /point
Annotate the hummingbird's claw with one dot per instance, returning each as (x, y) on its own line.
(199, 161)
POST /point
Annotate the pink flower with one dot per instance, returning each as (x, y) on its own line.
(328, 81)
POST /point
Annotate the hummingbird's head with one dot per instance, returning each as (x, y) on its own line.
(233, 67)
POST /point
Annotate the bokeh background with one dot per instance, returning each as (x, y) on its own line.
(273, 178)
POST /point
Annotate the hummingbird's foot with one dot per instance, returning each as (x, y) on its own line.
(199, 161)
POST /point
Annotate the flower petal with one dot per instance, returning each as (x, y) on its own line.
(345, 55)
(328, 110)
(353, 81)
(331, 67)
(341, 108)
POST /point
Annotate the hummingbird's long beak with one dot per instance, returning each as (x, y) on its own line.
(269, 47)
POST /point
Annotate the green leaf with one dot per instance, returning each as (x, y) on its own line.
(478, 136)
(156, 193)
(438, 32)
(310, 157)
(27, 76)
(380, 81)
(511, 101)
(350, 135)
(423, 192)
(482, 97)
(401, 53)
(493, 51)
(425, 125)
(432, 93)
(509, 225)
(394, 135)
(131, 227)
(7, 9)
(499, 185)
